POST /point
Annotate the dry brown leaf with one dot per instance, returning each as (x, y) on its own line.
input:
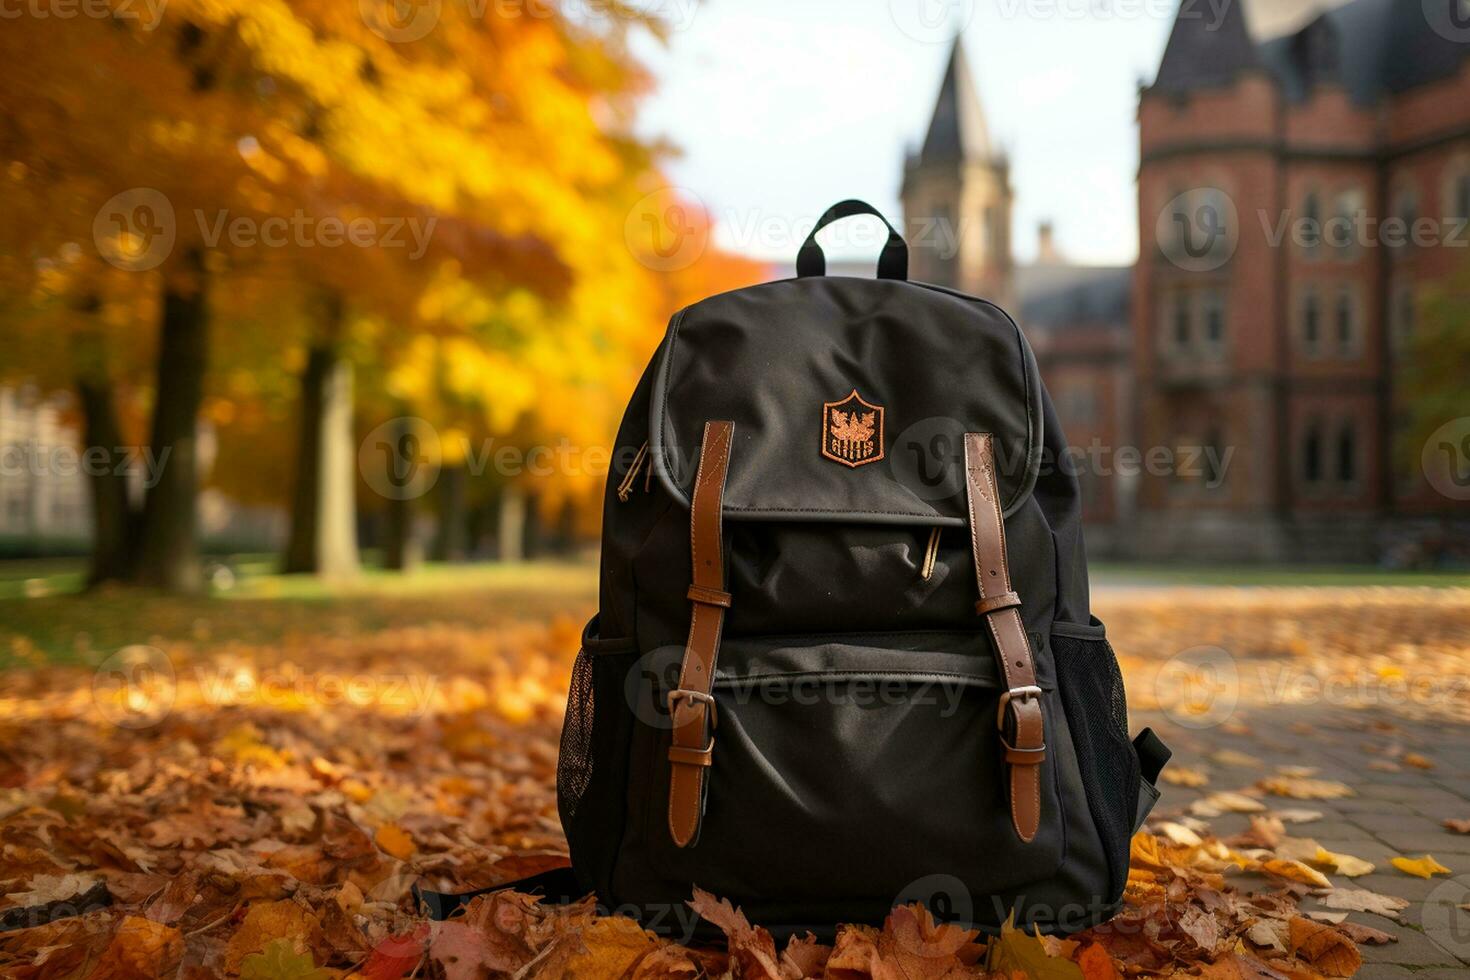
(1306, 789)
(269, 921)
(1324, 947)
(1363, 900)
(1360, 933)
(141, 949)
(1458, 826)
(1185, 776)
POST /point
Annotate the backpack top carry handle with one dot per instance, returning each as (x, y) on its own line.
(893, 263)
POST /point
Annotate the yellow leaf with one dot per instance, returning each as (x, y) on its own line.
(1016, 951)
(1306, 789)
(1295, 871)
(393, 839)
(613, 945)
(1425, 867)
(1345, 864)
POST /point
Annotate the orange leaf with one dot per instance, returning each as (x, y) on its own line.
(394, 840)
(1097, 964)
(1324, 947)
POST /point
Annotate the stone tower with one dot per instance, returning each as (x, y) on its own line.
(957, 195)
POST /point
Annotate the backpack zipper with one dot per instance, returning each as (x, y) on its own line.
(626, 487)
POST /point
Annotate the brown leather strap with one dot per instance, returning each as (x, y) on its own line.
(1022, 727)
(691, 708)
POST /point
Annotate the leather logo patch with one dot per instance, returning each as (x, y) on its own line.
(852, 431)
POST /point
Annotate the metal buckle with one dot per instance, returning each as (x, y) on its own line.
(1005, 699)
(679, 694)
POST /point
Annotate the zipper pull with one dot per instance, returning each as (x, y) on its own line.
(626, 487)
(931, 554)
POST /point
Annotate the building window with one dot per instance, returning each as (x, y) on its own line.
(1181, 318)
(1460, 197)
(1347, 322)
(1401, 315)
(1343, 229)
(1406, 211)
(1214, 317)
(1214, 458)
(1347, 454)
(1311, 236)
(1311, 320)
(1312, 454)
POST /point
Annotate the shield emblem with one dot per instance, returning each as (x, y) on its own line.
(852, 431)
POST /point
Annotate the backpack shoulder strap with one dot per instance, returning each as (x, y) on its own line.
(1020, 720)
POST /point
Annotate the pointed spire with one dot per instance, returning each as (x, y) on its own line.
(1209, 46)
(957, 132)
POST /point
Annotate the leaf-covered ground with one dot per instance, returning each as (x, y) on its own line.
(214, 806)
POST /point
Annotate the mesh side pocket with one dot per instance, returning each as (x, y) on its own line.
(1097, 713)
(574, 762)
(592, 767)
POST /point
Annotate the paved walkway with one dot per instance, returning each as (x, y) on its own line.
(1393, 813)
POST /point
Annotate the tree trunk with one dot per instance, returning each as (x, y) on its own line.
(512, 531)
(400, 550)
(168, 547)
(114, 522)
(104, 457)
(323, 538)
(449, 545)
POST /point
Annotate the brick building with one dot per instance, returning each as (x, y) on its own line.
(1284, 348)
(1252, 350)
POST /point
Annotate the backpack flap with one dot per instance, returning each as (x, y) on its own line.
(850, 399)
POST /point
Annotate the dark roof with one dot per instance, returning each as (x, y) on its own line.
(1054, 297)
(957, 131)
(1204, 53)
(1371, 48)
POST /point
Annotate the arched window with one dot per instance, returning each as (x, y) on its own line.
(1312, 453)
(1347, 454)
(1346, 223)
(1213, 302)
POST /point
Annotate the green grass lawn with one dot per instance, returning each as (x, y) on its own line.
(45, 617)
(1342, 576)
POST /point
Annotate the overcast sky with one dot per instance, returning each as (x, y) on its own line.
(783, 107)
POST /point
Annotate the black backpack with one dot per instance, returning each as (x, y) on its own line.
(844, 658)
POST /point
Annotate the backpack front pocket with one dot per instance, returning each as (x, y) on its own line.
(846, 771)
